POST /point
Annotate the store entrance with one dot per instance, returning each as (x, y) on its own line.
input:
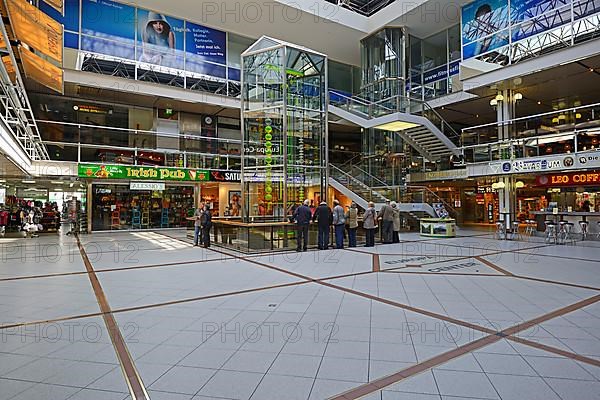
(117, 207)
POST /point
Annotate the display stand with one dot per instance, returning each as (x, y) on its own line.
(164, 218)
(115, 220)
(136, 220)
(438, 227)
(145, 218)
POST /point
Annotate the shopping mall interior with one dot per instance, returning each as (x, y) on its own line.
(318, 199)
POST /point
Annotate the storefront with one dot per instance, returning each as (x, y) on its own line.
(39, 205)
(577, 191)
(137, 197)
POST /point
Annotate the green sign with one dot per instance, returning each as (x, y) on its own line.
(107, 171)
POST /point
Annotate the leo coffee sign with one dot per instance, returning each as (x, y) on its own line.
(585, 178)
(107, 171)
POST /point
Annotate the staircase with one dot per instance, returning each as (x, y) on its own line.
(417, 123)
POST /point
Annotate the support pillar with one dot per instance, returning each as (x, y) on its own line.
(507, 195)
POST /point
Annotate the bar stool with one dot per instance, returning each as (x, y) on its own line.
(530, 227)
(583, 225)
(550, 232)
(515, 231)
(566, 229)
(500, 230)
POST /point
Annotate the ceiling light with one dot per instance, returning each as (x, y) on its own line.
(591, 69)
(493, 102)
(518, 96)
(396, 126)
(577, 116)
(26, 181)
(56, 182)
(499, 97)
(520, 184)
(539, 103)
(2, 180)
(58, 189)
(500, 185)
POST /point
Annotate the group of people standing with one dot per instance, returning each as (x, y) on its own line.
(389, 215)
(202, 225)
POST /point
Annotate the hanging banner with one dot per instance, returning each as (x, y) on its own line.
(107, 171)
(108, 28)
(36, 29)
(484, 26)
(160, 39)
(42, 71)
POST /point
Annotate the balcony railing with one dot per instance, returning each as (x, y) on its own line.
(557, 132)
(92, 143)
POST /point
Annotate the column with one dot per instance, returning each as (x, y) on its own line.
(507, 195)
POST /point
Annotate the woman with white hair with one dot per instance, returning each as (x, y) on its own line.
(396, 212)
(370, 225)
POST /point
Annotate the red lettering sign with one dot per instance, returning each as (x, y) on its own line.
(591, 178)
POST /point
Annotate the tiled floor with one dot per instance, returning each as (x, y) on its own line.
(463, 318)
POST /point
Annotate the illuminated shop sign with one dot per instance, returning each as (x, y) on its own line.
(590, 178)
(106, 171)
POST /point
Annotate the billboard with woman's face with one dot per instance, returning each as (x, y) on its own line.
(160, 39)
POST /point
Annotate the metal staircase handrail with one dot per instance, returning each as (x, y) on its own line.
(373, 177)
(426, 189)
(347, 175)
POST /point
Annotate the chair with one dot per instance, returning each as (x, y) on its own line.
(515, 231)
(530, 227)
(500, 231)
(145, 218)
(583, 225)
(115, 220)
(550, 233)
(565, 234)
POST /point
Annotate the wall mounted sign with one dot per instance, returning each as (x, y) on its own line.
(107, 171)
(587, 178)
(558, 162)
(147, 186)
(225, 176)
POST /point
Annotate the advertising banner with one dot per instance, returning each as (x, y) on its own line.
(42, 71)
(107, 171)
(530, 17)
(108, 28)
(203, 44)
(160, 39)
(484, 26)
(35, 28)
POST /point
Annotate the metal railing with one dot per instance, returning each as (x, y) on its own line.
(92, 143)
(15, 109)
(564, 131)
(394, 104)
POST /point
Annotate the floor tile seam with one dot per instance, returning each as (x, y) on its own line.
(557, 256)
(280, 350)
(438, 316)
(460, 351)
(555, 350)
(194, 349)
(131, 374)
(325, 349)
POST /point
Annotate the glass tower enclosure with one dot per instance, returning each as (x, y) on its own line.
(383, 63)
(284, 120)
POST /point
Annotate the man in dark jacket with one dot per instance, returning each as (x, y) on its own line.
(206, 224)
(324, 215)
(302, 217)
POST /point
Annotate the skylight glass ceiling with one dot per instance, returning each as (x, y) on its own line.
(364, 7)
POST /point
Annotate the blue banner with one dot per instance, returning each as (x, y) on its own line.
(160, 39)
(108, 28)
(203, 44)
(483, 18)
